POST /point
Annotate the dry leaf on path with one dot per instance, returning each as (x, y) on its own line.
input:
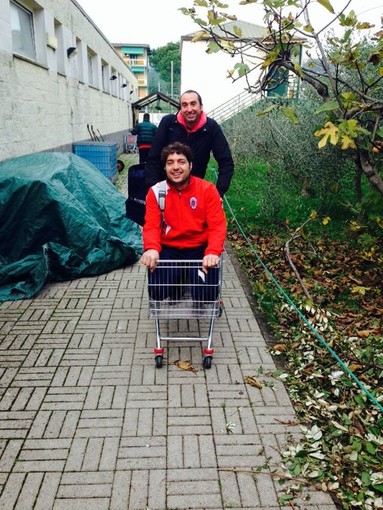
(185, 365)
(253, 382)
(279, 347)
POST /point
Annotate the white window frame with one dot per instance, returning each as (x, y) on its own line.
(91, 60)
(105, 75)
(23, 17)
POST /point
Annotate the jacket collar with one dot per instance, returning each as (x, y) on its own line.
(201, 122)
(188, 186)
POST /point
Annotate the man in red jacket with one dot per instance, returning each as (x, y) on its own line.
(192, 225)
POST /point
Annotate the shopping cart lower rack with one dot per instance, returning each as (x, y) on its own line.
(179, 289)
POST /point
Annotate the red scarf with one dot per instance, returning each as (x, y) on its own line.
(201, 122)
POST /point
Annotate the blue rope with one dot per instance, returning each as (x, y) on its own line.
(300, 314)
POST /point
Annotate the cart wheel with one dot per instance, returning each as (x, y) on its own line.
(159, 361)
(207, 362)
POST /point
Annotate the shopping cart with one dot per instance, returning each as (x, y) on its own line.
(130, 143)
(179, 289)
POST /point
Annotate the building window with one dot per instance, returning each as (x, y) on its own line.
(114, 82)
(60, 52)
(91, 57)
(104, 76)
(23, 39)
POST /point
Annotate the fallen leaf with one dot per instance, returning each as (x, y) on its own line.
(365, 333)
(358, 289)
(354, 366)
(279, 347)
(185, 365)
(253, 382)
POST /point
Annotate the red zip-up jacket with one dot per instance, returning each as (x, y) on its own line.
(193, 217)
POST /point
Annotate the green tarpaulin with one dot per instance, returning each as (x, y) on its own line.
(60, 218)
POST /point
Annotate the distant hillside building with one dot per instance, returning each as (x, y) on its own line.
(136, 56)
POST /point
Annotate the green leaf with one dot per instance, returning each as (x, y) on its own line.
(326, 4)
(328, 106)
(284, 498)
(237, 31)
(267, 110)
(296, 470)
(370, 448)
(301, 453)
(298, 69)
(365, 477)
(242, 69)
(212, 47)
(290, 114)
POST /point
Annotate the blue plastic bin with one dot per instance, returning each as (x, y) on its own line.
(102, 154)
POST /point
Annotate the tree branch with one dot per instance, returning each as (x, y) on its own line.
(295, 235)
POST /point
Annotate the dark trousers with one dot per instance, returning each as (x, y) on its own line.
(166, 282)
(143, 155)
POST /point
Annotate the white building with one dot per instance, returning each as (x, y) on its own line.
(60, 76)
(209, 73)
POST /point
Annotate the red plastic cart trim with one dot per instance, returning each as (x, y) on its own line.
(208, 352)
(158, 351)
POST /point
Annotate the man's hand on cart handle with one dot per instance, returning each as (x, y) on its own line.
(208, 261)
(150, 258)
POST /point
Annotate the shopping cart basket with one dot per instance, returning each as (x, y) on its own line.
(179, 289)
(130, 143)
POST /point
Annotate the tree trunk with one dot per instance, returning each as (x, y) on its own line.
(368, 170)
(358, 181)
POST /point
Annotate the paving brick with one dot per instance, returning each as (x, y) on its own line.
(230, 490)
(64, 399)
(111, 376)
(15, 424)
(12, 490)
(194, 495)
(88, 422)
(76, 455)
(121, 490)
(86, 341)
(239, 451)
(227, 395)
(268, 496)
(78, 503)
(47, 491)
(139, 489)
(9, 454)
(27, 377)
(147, 396)
(30, 490)
(142, 453)
(100, 423)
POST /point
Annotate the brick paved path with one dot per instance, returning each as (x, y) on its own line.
(88, 422)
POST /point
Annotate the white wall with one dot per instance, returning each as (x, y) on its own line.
(46, 104)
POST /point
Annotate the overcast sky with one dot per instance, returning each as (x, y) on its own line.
(158, 22)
